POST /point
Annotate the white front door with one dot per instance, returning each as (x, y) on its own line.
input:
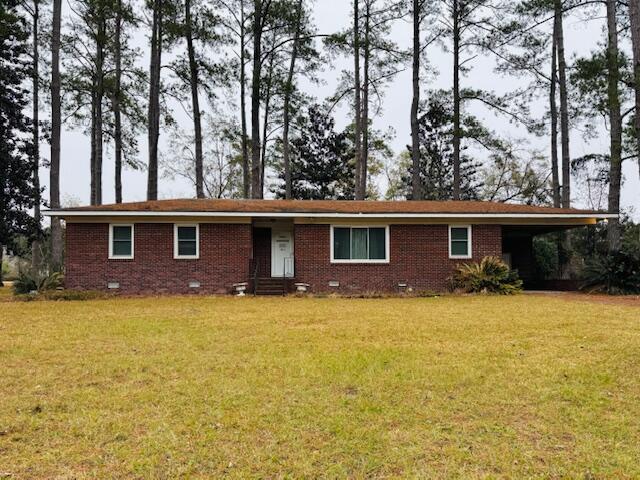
(281, 253)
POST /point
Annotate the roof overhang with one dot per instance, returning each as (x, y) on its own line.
(479, 216)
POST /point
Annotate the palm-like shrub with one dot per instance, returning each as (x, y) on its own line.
(28, 282)
(616, 274)
(490, 275)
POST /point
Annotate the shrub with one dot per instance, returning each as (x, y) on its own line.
(25, 283)
(29, 281)
(615, 274)
(491, 275)
(545, 257)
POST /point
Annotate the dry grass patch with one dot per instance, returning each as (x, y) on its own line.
(424, 387)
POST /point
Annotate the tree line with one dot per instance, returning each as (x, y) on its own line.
(242, 71)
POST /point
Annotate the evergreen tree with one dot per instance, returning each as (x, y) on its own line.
(376, 61)
(321, 160)
(435, 134)
(591, 82)
(16, 148)
(196, 31)
(100, 75)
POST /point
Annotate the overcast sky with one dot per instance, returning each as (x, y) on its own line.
(331, 16)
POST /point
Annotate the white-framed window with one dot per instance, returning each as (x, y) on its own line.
(359, 244)
(460, 241)
(121, 241)
(186, 240)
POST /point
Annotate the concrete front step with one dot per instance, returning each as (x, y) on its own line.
(272, 286)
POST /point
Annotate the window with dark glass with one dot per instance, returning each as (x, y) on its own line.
(121, 241)
(459, 237)
(359, 243)
(186, 241)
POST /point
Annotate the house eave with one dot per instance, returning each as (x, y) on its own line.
(330, 215)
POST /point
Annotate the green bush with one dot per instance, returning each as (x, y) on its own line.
(545, 257)
(25, 283)
(29, 281)
(491, 275)
(615, 274)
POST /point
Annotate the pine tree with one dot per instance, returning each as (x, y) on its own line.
(615, 125)
(321, 166)
(436, 155)
(194, 33)
(16, 148)
(56, 126)
(103, 88)
(376, 61)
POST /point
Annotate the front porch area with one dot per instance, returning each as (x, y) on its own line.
(272, 265)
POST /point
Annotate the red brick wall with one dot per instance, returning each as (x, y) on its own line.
(419, 257)
(225, 250)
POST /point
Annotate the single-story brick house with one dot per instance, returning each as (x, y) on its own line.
(203, 245)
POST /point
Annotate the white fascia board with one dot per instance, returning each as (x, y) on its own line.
(120, 213)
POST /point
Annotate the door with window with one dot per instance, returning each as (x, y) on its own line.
(281, 253)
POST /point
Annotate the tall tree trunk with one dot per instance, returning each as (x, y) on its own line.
(115, 102)
(36, 257)
(416, 184)
(555, 176)
(365, 102)
(256, 181)
(246, 185)
(456, 101)
(99, 97)
(265, 121)
(357, 98)
(634, 15)
(195, 101)
(288, 91)
(564, 105)
(154, 100)
(56, 122)
(615, 121)
(92, 157)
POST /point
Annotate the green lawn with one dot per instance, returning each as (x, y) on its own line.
(468, 387)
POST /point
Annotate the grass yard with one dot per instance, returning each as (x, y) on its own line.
(469, 387)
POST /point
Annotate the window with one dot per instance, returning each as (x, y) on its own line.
(120, 241)
(360, 244)
(186, 243)
(460, 241)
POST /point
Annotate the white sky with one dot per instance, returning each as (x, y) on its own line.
(331, 16)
